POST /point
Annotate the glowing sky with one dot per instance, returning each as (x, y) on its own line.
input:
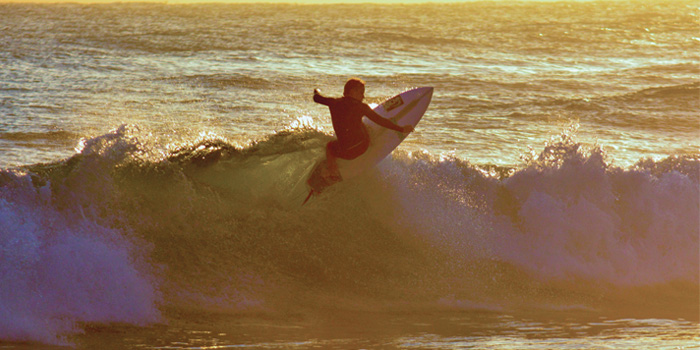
(276, 1)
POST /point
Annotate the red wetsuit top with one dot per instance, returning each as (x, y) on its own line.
(346, 115)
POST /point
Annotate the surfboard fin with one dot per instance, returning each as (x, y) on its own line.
(308, 197)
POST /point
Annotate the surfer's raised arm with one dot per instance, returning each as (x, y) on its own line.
(365, 110)
(375, 117)
(318, 98)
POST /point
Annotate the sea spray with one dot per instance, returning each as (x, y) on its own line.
(567, 217)
(60, 269)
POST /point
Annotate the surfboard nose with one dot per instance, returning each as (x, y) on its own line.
(426, 92)
(426, 95)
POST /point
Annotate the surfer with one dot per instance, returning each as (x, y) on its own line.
(352, 138)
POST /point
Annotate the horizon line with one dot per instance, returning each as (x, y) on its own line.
(168, 2)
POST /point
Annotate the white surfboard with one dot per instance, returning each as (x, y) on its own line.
(405, 108)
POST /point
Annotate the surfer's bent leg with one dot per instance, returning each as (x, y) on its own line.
(335, 151)
(330, 156)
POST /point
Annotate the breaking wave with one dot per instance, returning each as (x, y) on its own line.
(131, 231)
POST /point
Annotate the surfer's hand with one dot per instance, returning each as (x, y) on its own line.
(317, 92)
(407, 129)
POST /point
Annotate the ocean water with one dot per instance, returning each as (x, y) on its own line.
(153, 158)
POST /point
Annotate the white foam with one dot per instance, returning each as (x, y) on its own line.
(578, 219)
(59, 269)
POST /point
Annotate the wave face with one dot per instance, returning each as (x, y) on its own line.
(127, 231)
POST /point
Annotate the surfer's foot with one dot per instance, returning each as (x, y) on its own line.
(332, 173)
(335, 176)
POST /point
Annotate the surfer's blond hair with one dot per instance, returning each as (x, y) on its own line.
(352, 84)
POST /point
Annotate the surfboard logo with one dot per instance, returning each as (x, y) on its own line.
(393, 103)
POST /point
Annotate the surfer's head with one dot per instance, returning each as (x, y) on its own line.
(355, 88)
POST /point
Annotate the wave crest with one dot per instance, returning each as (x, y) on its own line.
(224, 232)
